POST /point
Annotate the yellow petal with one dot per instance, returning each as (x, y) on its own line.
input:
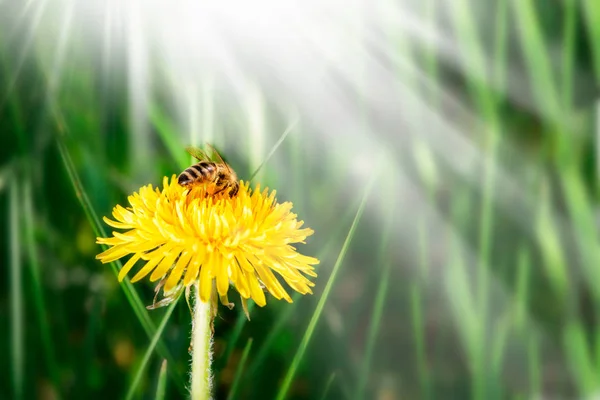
(220, 270)
(177, 271)
(128, 265)
(150, 265)
(164, 265)
(205, 282)
(115, 224)
(271, 282)
(111, 241)
(243, 261)
(239, 280)
(114, 253)
(194, 266)
(257, 294)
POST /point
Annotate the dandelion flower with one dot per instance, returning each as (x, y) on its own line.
(185, 237)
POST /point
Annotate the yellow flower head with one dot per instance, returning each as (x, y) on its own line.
(188, 236)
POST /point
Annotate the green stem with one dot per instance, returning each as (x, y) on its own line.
(16, 294)
(201, 351)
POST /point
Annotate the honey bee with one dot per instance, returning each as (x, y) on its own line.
(207, 171)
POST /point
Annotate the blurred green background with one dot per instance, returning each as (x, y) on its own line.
(444, 152)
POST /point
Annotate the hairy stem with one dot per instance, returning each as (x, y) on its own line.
(201, 349)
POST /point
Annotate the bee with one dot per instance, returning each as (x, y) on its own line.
(207, 171)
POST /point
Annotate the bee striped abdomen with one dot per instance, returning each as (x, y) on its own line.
(197, 172)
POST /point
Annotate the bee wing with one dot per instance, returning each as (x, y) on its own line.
(219, 156)
(197, 153)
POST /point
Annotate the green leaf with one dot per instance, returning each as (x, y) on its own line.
(130, 292)
(155, 339)
(17, 308)
(161, 386)
(240, 370)
(285, 386)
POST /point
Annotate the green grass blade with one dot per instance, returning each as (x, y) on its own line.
(287, 381)
(235, 334)
(290, 310)
(580, 360)
(274, 332)
(379, 304)
(161, 386)
(328, 386)
(552, 252)
(208, 112)
(500, 47)
(130, 292)
(17, 120)
(431, 63)
(16, 292)
(582, 214)
(37, 289)
(193, 124)
(596, 354)
(499, 341)
(463, 302)
(568, 52)
(140, 369)
(165, 131)
(537, 58)
(256, 124)
(240, 369)
(469, 38)
(419, 334)
(287, 131)
(535, 366)
(79, 190)
(373, 330)
(591, 13)
(522, 288)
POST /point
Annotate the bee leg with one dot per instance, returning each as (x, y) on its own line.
(219, 191)
(234, 190)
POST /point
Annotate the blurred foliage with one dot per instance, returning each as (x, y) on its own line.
(491, 291)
